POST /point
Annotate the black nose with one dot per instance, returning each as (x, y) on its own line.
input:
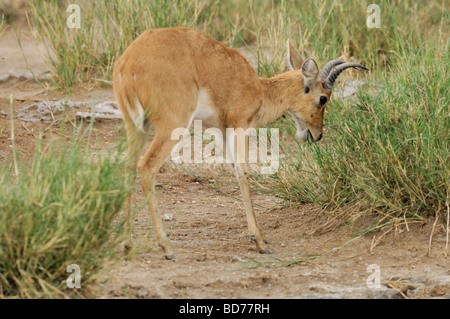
(320, 137)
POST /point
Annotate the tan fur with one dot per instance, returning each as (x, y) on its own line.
(293, 59)
(172, 72)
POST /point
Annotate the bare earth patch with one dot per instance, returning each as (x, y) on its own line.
(209, 236)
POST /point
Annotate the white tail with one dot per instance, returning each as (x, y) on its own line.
(169, 77)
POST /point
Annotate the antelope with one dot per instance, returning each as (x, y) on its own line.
(170, 77)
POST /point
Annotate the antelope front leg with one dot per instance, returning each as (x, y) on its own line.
(255, 232)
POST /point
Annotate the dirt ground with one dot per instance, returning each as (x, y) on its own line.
(208, 229)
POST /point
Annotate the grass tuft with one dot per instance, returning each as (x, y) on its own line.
(386, 152)
(62, 210)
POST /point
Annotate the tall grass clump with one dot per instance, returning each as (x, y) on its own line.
(386, 152)
(62, 210)
(107, 28)
(325, 29)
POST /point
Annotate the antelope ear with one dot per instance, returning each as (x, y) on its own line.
(310, 70)
(293, 59)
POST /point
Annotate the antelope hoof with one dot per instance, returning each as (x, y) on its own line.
(252, 238)
(266, 251)
(171, 257)
(168, 253)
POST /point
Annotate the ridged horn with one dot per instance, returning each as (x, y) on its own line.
(329, 82)
(327, 68)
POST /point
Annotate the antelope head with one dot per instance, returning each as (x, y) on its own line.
(308, 111)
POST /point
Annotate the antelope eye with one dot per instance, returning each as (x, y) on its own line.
(323, 100)
(307, 90)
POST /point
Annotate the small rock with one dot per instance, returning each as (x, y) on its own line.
(351, 87)
(5, 77)
(168, 217)
(104, 110)
(237, 259)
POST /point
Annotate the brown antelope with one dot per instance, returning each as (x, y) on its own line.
(169, 77)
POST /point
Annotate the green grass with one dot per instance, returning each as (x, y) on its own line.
(2, 24)
(325, 29)
(387, 152)
(61, 210)
(107, 28)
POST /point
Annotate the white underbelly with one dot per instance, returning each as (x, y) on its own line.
(205, 111)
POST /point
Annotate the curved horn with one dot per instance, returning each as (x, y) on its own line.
(327, 68)
(329, 82)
